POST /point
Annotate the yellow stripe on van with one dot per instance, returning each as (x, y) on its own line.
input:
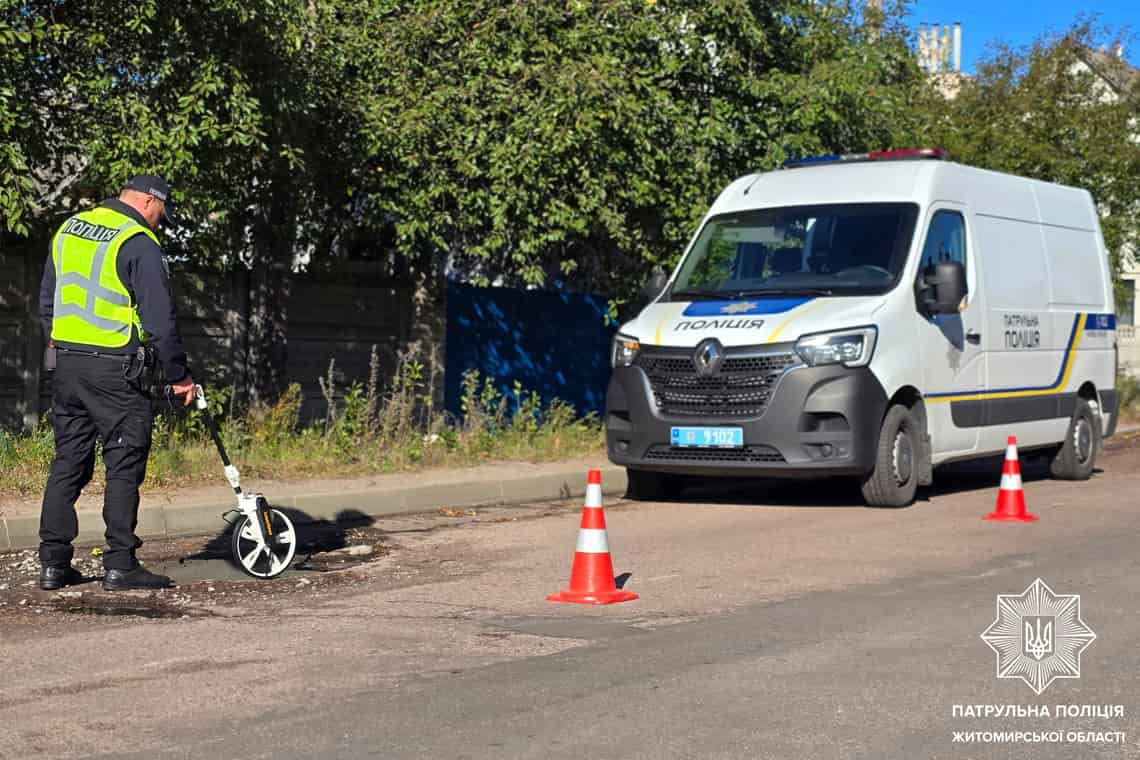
(1067, 370)
(796, 314)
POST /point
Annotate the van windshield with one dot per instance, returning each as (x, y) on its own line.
(848, 249)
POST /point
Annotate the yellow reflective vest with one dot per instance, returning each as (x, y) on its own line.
(92, 305)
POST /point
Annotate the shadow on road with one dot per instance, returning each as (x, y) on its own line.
(314, 535)
(975, 475)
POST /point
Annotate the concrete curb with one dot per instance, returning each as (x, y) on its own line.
(158, 521)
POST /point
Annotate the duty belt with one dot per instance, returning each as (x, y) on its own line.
(133, 364)
(99, 354)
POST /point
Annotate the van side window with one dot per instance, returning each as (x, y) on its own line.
(945, 241)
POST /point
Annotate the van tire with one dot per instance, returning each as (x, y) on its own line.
(1076, 458)
(642, 485)
(893, 480)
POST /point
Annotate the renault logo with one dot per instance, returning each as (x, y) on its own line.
(708, 356)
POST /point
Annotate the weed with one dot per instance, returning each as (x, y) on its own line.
(1128, 388)
(367, 429)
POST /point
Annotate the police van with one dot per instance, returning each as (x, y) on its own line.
(872, 316)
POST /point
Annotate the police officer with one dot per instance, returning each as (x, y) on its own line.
(105, 301)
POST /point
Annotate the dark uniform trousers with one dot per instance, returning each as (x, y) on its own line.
(93, 398)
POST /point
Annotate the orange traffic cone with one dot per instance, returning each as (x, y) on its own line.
(592, 575)
(1011, 497)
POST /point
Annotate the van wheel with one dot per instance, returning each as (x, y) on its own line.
(894, 479)
(652, 486)
(1077, 456)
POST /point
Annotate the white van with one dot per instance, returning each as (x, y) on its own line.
(872, 316)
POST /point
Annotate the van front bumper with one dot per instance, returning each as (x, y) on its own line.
(818, 421)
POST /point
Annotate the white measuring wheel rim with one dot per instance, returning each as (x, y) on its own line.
(249, 551)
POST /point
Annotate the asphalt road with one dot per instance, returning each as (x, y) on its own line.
(775, 621)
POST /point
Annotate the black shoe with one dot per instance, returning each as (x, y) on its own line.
(54, 577)
(139, 578)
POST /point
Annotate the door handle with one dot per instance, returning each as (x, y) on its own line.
(973, 337)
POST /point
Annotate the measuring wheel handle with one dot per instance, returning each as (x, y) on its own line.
(264, 540)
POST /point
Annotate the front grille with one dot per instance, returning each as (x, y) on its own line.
(665, 453)
(741, 387)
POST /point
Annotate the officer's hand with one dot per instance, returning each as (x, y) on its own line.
(185, 388)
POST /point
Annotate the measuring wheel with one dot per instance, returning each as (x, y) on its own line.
(261, 558)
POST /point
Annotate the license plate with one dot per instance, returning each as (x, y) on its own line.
(708, 437)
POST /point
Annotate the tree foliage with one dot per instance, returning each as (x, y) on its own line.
(524, 142)
(535, 143)
(519, 142)
(580, 141)
(236, 101)
(97, 101)
(1045, 112)
(22, 143)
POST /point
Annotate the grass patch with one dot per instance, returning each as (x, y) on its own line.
(1129, 399)
(364, 432)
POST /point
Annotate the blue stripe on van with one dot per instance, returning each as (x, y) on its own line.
(1101, 322)
(1066, 359)
(743, 307)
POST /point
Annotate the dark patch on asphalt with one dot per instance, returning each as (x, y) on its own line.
(151, 608)
(206, 579)
(174, 669)
(210, 583)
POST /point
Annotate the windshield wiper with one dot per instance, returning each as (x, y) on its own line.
(729, 295)
(701, 293)
(781, 292)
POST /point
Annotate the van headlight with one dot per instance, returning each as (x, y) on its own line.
(851, 348)
(623, 351)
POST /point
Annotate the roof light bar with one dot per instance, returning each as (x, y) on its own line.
(908, 154)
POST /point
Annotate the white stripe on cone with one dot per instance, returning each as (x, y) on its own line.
(1010, 482)
(593, 495)
(592, 541)
(1010, 453)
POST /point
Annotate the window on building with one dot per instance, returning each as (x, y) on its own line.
(1126, 303)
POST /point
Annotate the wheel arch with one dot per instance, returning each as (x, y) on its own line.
(910, 397)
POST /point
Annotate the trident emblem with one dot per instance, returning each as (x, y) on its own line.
(1038, 639)
(1038, 636)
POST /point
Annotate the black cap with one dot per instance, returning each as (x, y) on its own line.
(152, 184)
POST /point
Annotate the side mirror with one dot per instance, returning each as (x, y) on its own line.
(944, 290)
(656, 284)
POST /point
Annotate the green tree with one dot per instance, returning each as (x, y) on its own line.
(537, 141)
(518, 141)
(15, 184)
(237, 101)
(31, 134)
(1046, 112)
